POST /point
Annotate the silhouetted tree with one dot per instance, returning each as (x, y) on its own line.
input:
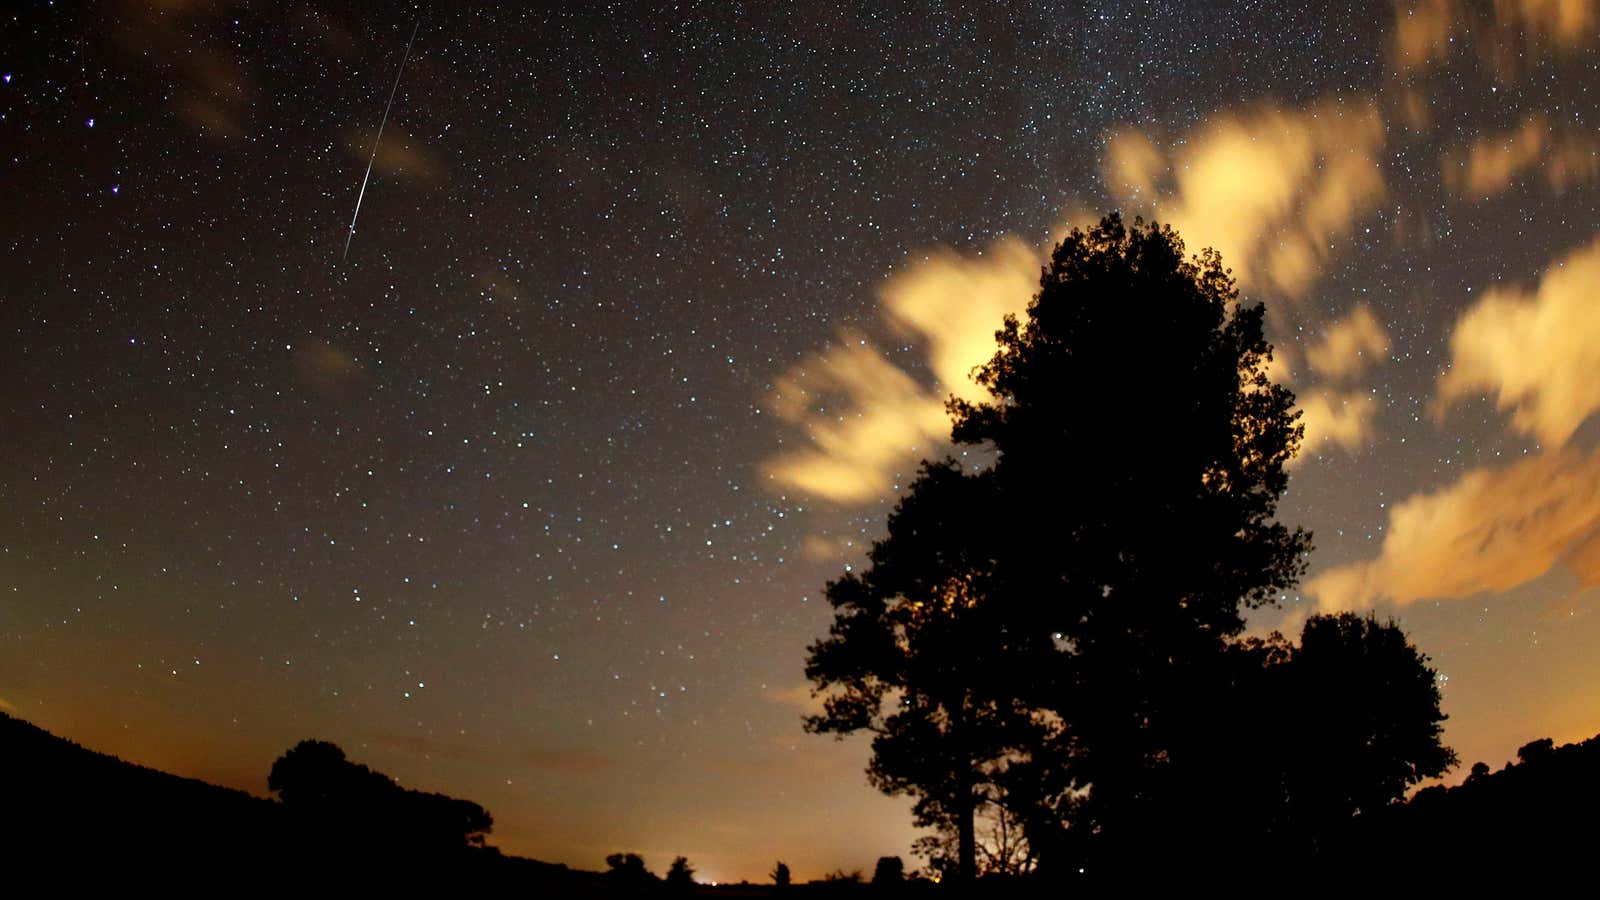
(1002, 846)
(780, 874)
(628, 872)
(1133, 416)
(1070, 596)
(1367, 710)
(913, 627)
(338, 800)
(680, 876)
(1537, 751)
(890, 872)
(1061, 625)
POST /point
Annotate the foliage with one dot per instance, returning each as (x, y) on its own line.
(890, 871)
(629, 869)
(347, 802)
(780, 874)
(680, 876)
(915, 658)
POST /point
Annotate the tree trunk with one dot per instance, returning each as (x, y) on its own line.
(966, 833)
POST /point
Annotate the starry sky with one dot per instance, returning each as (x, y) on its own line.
(647, 317)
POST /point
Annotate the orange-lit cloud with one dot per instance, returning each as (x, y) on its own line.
(1489, 166)
(1563, 23)
(324, 368)
(1537, 352)
(399, 153)
(1422, 31)
(1427, 32)
(830, 548)
(1333, 410)
(210, 90)
(1492, 530)
(867, 420)
(1493, 163)
(1270, 189)
(864, 418)
(1333, 416)
(797, 696)
(1349, 345)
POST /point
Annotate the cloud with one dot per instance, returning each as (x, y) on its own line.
(797, 696)
(566, 761)
(866, 419)
(1494, 529)
(1270, 189)
(1349, 345)
(1334, 411)
(1537, 351)
(399, 153)
(1427, 32)
(1422, 31)
(827, 548)
(1562, 23)
(210, 90)
(1489, 166)
(1332, 416)
(325, 369)
(1493, 163)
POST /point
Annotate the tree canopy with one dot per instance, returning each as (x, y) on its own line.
(350, 803)
(1056, 627)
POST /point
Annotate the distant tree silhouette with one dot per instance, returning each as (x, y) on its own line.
(1367, 709)
(680, 876)
(628, 872)
(780, 874)
(338, 800)
(889, 872)
(1537, 752)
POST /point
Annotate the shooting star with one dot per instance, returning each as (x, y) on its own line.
(376, 140)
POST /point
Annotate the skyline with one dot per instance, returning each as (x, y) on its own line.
(650, 320)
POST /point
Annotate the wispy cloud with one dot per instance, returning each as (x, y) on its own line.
(864, 419)
(1491, 530)
(1537, 351)
(1270, 188)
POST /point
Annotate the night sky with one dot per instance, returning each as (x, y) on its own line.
(648, 316)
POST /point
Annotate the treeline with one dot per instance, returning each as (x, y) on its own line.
(1535, 818)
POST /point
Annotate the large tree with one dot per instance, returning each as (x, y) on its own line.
(1140, 453)
(1060, 626)
(333, 799)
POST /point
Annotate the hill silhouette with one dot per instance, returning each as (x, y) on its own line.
(84, 819)
(1534, 818)
(90, 819)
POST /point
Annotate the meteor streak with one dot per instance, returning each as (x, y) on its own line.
(376, 140)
